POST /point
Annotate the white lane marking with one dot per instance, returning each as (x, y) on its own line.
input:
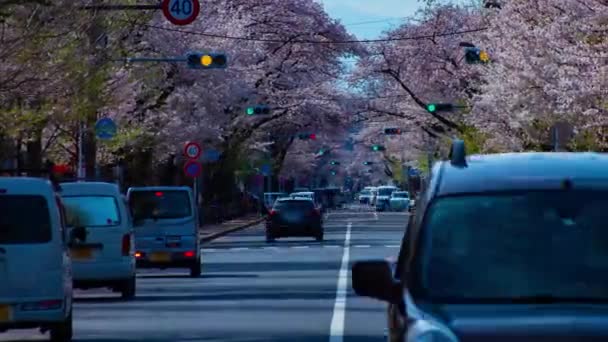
(331, 246)
(392, 246)
(239, 249)
(336, 330)
(362, 246)
(375, 216)
(300, 246)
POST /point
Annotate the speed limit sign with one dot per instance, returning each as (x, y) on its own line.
(181, 12)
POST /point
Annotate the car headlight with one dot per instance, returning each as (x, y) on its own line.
(433, 336)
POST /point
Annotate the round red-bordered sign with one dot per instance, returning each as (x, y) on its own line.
(181, 12)
(192, 150)
(193, 168)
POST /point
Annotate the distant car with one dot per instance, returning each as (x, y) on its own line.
(365, 197)
(166, 228)
(35, 265)
(399, 201)
(294, 217)
(384, 196)
(106, 257)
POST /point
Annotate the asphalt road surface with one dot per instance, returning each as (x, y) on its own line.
(295, 289)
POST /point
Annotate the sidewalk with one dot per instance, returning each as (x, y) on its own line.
(214, 231)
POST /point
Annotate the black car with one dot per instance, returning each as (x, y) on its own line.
(294, 217)
(503, 247)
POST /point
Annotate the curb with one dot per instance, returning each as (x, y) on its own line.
(216, 235)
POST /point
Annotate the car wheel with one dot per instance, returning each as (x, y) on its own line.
(195, 270)
(127, 289)
(62, 332)
(319, 236)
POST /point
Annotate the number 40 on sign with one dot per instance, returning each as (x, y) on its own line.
(181, 12)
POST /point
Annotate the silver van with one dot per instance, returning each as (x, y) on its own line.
(106, 257)
(166, 228)
(35, 265)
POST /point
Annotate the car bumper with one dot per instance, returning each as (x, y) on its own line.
(28, 319)
(281, 230)
(153, 259)
(103, 271)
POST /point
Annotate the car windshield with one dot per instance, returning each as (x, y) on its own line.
(400, 195)
(24, 220)
(91, 211)
(366, 192)
(166, 204)
(500, 247)
(385, 191)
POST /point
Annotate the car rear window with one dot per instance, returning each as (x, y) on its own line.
(294, 205)
(400, 195)
(385, 192)
(91, 211)
(24, 219)
(166, 204)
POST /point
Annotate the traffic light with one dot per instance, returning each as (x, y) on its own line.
(258, 110)
(439, 107)
(378, 148)
(368, 163)
(321, 152)
(392, 131)
(333, 162)
(475, 55)
(204, 60)
(307, 136)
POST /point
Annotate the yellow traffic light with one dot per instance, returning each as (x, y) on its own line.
(484, 57)
(206, 60)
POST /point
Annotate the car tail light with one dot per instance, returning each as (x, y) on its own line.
(189, 254)
(273, 212)
(126, 245)
(316, 212)
(52, 304)
(139, 254)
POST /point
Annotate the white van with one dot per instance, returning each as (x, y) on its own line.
(35, 267)
(106, 257)
(166, 227)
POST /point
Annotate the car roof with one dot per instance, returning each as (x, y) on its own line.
(522, 171)
(90, 188)
(303, 193)
(294, 199)
(27, 186)
(160, 188)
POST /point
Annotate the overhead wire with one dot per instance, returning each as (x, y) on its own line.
(310, 41)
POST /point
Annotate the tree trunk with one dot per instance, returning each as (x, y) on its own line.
(34, 152)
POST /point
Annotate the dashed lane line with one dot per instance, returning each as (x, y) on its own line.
(279, 248)
(336, 330)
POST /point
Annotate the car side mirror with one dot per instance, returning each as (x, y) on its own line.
(374, 279)
(78, 235)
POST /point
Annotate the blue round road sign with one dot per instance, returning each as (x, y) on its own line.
(193, 169)
(181, 12)
(211, 155)
(105, 128)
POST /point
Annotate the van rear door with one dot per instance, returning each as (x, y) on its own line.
(161, 216)
(30, 262)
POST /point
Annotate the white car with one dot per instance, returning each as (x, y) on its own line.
(399, 201)
(384, 195)
(35, 266)
(106, 257)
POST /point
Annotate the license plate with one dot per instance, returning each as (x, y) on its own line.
(82, 253)
(5, 313)
(160, 257)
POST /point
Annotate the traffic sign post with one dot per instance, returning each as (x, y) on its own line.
(105, 129)
(181, 12)
(193, 168)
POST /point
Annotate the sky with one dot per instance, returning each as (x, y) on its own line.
(367, 19)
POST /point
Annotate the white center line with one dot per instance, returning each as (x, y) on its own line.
(299, 246)
(336, 331)
(362, 246)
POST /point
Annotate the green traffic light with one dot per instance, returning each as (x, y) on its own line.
(431, 108)
(376, 148)
(250, 111)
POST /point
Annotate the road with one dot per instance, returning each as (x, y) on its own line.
(250, 291)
